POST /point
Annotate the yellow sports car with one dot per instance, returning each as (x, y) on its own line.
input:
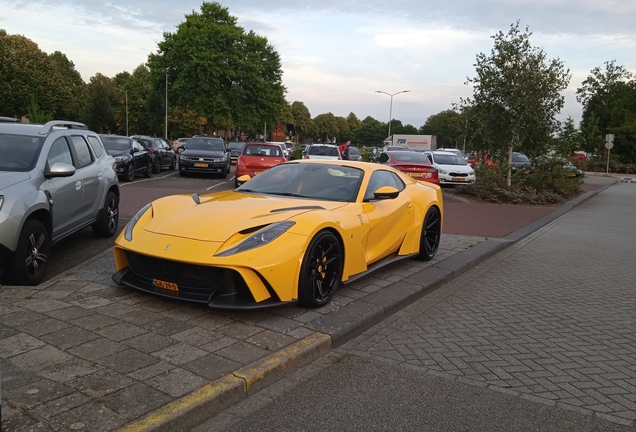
(291, 234)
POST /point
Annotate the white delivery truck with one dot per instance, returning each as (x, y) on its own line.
(414, 142)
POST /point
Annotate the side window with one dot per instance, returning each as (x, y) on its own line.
(84, 157)
(96, 145)
(160, 144)
(384, 158)
(136, 146)
(379, 179)
(59, 153)
(430, 157)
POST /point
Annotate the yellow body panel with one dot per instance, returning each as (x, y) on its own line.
(177, 228)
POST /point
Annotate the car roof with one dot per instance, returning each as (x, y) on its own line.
(18, 128)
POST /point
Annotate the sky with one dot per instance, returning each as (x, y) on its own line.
(336, 54)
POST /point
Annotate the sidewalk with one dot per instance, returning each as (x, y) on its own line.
(79, 353)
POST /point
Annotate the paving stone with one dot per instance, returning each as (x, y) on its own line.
(44, 326)
(186, 312)
(100, 383)
(136, 400)
(36, 393)
(179, 353)
(300, 332)
(89, 301)
(210, 321)
(127, 361)
(140, 317)
(219, 344)
(13, 376)
(115, 309)
(14, 419)
(50, 294)
(168, 326)
(270, 340)
(69, 313)
(94, 321)
(69, 337)
(239, 330)
(91, 416)
(7, 308)
(197, 336)
(7, 332)
(39, 358)
(151, 371)
(149, 342)
(18, 344)
(97, 349)
(91, 287)
(121, 331)
(212, 366)
(280, 324)
(68, 370)
(18, 319)
(177, 382)
(38, 305)
(243, 352)
(60, 405)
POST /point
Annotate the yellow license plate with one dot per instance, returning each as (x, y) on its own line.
(165, 285)
(415, 174)
(200, 165)
(459, 179)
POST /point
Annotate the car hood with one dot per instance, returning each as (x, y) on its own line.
(455, 168)
(203, 153)
(9, 178)
(115, 153)
(221, 215)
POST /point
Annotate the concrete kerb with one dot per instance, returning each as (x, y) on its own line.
(209, 400)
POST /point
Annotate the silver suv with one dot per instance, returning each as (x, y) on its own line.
(55, 179)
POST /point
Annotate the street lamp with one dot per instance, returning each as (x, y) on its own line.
(391, 106)
(166, 125)
(126, 93)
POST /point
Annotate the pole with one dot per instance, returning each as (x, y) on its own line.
(126, 113)
(465, 127)
(265, 133)
(608, 154)
(166, 126)
(391, 105)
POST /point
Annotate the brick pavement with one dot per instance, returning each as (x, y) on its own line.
(79, 353)
(550, 319)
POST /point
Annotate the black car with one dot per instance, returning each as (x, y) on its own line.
(236, 148)
(131, 157)
(204, 155)
(162, 154)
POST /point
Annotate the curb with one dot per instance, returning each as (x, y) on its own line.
(201, 405)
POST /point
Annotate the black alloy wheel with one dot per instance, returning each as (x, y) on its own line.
(108, 219)
(130, 172)
(156, 168)
(149, 169)
(321, 270)
(32, 253)
(431, 234)
(173, 163)
(226, 169)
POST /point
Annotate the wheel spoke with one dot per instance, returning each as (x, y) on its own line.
(432, 223)
(41, 257)
(32, 241)
(330, 260)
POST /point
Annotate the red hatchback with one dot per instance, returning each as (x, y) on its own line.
(413, 164)
(256, 158)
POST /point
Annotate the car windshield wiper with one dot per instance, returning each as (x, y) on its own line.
(290, 194)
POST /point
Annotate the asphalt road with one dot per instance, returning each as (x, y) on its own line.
(84, 245)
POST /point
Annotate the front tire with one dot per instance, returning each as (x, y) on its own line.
(321, 270)
(130, 172)
(149, 169)
(108, 219)
(225, 171)
(431, 234)
(173, 164)
(156, 168)
(32, 253)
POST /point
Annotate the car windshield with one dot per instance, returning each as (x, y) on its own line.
(308, 180)
(114, 143)
(520, 157)
(215, 144)
(323, 151)
(410, 157)
(398, 148)
(354, 151)
(448, 159)
(19, 152)
(289, 145)
(236, 145)
(263, 150)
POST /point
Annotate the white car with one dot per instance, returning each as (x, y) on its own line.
(452, 168)
(323, 151)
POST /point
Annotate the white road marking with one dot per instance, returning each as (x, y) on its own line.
(213, 186)
(150, 179)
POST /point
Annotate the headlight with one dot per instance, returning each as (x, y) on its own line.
(134, 220)
(471, 172)
(182, 157)
(441, 171)
(259, 238)
(121, 158)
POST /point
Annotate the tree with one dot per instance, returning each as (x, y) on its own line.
(215, 69)
(71, 89)
(371, 132)
(447, 126)
(568, 139)
(99, 102)
(302, 119)
(326, 127)
(516, 95)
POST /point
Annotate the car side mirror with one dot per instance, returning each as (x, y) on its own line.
(386, 192)
(60, 169)
(243, 179)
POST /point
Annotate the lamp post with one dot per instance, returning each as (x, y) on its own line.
(126, 93)
(166, 126)
(391, 106)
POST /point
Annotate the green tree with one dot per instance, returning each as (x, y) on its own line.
(326, 127)
(516, 95)
(371, 132)
(409, 129)
(99, 102)
(215, 69)
(447, 126)
(302, 118)
(568, 139)
(71, 89)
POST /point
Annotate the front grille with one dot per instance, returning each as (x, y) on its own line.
(196, 159)
(458, 174)
(192, 275)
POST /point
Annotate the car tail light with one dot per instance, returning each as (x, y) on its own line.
(239, 161)
(432, 170)
(153, 151)
(339, 158)
(306, 157)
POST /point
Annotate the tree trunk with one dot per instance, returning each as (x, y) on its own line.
(509, 181)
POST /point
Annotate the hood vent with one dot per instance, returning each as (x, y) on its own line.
(297, 208)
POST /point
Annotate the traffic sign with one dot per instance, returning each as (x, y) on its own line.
(609, 145)
(609, 141)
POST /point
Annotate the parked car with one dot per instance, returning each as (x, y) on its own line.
(292, 234)
(451, 168)
(414, 164)
(256, 158)
(458, 152)
(292, 150)
(395, 148)
(555, 161)
(474, 158)
(323, 151)
(55, 179)
(177, 145)
(131, 157)
(236, 148)
(204, 155)
(162, 154)
(283, 148)
(354, 154)
(520, 160)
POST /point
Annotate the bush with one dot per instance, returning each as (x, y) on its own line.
(548, 182)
